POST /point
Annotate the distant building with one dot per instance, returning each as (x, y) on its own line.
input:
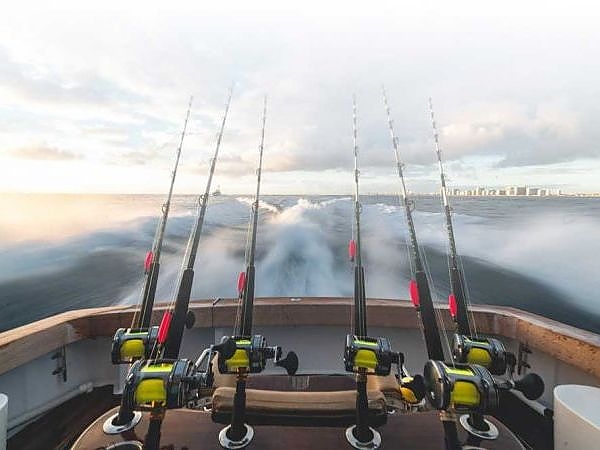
(482, 191)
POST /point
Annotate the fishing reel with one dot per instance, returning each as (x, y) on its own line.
(130, 344)
(471, 389)
(461, 387)
(487, 352)
(153, 385)
(373, 355)
(251, 355)
(367, 356)
(161, 384)
(466, 389)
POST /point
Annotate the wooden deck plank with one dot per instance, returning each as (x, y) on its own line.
(192, 429)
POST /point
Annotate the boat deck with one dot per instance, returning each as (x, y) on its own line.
(186, 429)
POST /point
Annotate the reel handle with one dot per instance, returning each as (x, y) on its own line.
(289, 363)
(226, 348)
(531, 386)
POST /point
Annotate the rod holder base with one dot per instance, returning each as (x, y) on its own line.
(127, 445)
(110, 428)
(490, 434)
(374, 443)
(226, 442)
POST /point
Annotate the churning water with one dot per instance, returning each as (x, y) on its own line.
(59, 253)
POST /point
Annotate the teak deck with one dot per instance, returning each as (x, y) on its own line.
(185, 429)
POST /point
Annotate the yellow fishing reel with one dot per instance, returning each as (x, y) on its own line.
(160, 383)
(373, 355)
(460, 387)
(251, 355)
(130, 344)
(487, 352)
(153, 385)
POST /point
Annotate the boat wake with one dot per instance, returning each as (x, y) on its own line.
(302, 251)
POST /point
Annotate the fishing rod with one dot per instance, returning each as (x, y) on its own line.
(364, 355)
(173, 321)
(152, 261)
(354, 247)
(247, 278)
(419, 289)
(139, 340)
(178, 378)
(163, 341)
(468, 347)
(483, 356)
(457, 301)
(251, 352)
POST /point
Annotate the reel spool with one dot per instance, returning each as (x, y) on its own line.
(161, 383)
(374, 355)
(487, 352)
(151, 385)
(130, 344)
(251, 355)
(463, 388)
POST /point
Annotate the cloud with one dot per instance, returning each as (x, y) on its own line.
(43, 83)
(518, 95)
(519, 134)
(44, 152)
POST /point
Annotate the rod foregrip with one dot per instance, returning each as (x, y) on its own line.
(149, 295)
(430, 325)
(175, 335)
(462, 311)
(360, 303)
(248, 303)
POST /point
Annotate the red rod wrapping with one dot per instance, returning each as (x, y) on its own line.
(352, 250)
(452, 305)
(148, 261)
(241, 282)
(413, 291)
(163, 329)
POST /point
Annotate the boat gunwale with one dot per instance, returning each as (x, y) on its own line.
(579, 348)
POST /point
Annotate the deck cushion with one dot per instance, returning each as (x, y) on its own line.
(299, 408)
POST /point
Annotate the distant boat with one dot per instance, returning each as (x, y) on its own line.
(216, 192)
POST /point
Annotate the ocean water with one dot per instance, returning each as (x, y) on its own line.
(64, 252)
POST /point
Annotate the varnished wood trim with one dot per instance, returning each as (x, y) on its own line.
(568, 344)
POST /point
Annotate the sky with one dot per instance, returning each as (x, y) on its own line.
(93, 97)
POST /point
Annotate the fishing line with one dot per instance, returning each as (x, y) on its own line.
(174, 318)
(458, 301)
(246, 279)
(420, 292)
(152, 260)
(354, 247)
(438, 312)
